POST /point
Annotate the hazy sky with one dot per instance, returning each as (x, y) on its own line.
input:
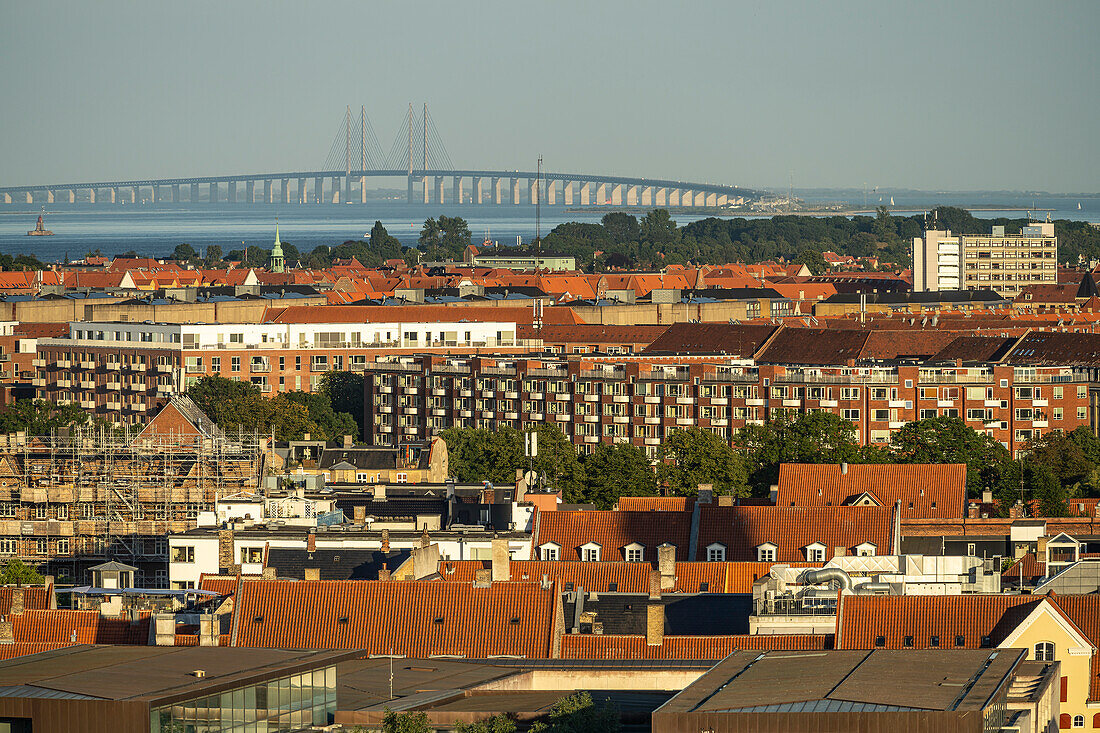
(951, 95)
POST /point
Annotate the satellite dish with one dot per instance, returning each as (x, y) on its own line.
(531, 477)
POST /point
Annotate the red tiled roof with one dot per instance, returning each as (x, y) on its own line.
(35, 597)
(629, 577)
(416, 619)
(22, 649)
(925, 490)
(862, 618)
(604, 646)
(1027, 567)
(739, 576)
(655, 503)
(613, 530)
(223, 585)
(743, 528)
(1084, 612)
(59, 626)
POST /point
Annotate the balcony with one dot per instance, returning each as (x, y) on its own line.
(195, 369)
(87, 384)
(38, 382)
(87, 364)
(137, 367)
(63, 364)
(137, 387)
(165, 388)
(114, 366)
(114, 405)
(88, 404)
(63, 383)
(38, 362)
(260, 366)
(113, 385)
(164, 368)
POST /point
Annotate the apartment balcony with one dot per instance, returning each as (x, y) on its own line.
(591, 418)
(720, 422)
(87, 364)
(822, 403)
(465, 413)
(1038, 403)
(591, 439)
(897, 403)
(163, 368)
(137, 367)
(113, 386)
(165, 388)
(792, 403)
(138, 407)
(88, 404)
(115, 406)
(535, 396)
(64, 402)
(385, 429)
(719, 401)
(563, 396)
(385, 409)
(409, 410)
(436, 412)
(115, 366)
(38, 382)
(652, 441)
(87, 384)
(653, 421)
(651, 400)
(63, 384)
(195, 369)
(760, 403)
(685, 421)
(465, 393)
(537, 417)
(137, 387)
(896, 424)
(1039, 424)
(63, 364)
(563, 418)
(38, 362)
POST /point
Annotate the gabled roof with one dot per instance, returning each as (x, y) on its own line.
(712, 648)
(182, 418)
(627, 577)
(711, 338)
(655, 503)
(35, 597)
(926, 491)
(614, 530)
(449, 618)
(744, 528)
(814, 346)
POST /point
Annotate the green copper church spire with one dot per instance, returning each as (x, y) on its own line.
(276, 261)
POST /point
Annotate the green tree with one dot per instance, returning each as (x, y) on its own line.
(184, 253)
(622, 228)
(239, 406)
(813, 259)
(214, 395)
(409, 722)
(455, 233)
(430, 234)
(499, 723)
(691, 457)
(1073, 457)
(616, 470)
(657, 227)
(476, 454)
(331, 425)
(815, 437)
(41, 417)
(345, 391)
(468, 451)
(950, 440)
(386, 246)
(577, 713)
(1049, 493)
(17, 573)
(213, 256)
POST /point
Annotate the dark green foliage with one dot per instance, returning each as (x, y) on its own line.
(331, 425)
(239, 406)
(480, 455)
(16, 573)
(815, 437)
(41, 417)
(579, 714)
(1047, 491)
(691, 457)
(410, 722)
(345, 391)
(1073, 458)
(617, 470)
(499, 723)
(950, 440)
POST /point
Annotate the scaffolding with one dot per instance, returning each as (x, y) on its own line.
(96, 494)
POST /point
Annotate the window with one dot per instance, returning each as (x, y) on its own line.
(252, 555)
(815, 553)
(1082, 413)
(41, 511)
(908, 643)
(960, 641)
(634, 553)
(934, 642)
(880, 641)
(41, 546)
(62, 511)
(850, 414)
(766, 552)
(716, 553)
(1044, 651)
(551, 552)
(235, 364)
(7, 546)
(590, 553)
(1078, 721)
(183, 553)
(216, 363)
(63, 546)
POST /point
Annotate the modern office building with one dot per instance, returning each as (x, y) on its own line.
(1006, 263)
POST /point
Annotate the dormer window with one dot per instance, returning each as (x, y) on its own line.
(867, 549)
(815, 552)
(590, 552)
(766, 552)
(634, 552)
(550, 551)
(716, 552)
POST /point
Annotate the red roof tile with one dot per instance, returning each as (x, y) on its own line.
(655, 503)
(743, 528)
(613, 530)
(1027, 568)
(628, 577)
(925, 490)
(78, 627)
(34, 598)
(416, 619)
(22, 649)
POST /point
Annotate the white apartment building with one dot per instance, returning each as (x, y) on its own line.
(1002, 262)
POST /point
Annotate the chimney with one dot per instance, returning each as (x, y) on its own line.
(666, 565)
(16, 601)
(385, 540)
(305, 436)
(972, 510)
(654, 584)
(425, 561)
(840, 551)
(270, 573)
(1041, 548)
(843, 469)
(501, 562)
(706, 493)
(208, 630)
(311, 542)
(311, 573)
(655, 623)
(347, 441)
(424, 539)
(225, 548)
(359, 514)
(164, 629)
(987, 497)
(483, 578)
(384, 573)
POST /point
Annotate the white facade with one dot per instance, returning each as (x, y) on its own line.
(1006, 263)
(937, 261)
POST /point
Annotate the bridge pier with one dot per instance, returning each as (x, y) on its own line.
(362, 189)
(303, 195)
(318, 190)
(5, 198)
(533, 193)
(584, 193)
(513, 191)
(567, 193)
(91, 196)
(475, 190)
(249, 191)
(213, 193)
(439, 189)
(284, 191)
(712, 199)
(456, 190)
(335, 189)
(267, 192)
(72, 196)
(497, 191)
(175, 193)
(347, 187)
(551, 192)
(194, 199)
(231, 192)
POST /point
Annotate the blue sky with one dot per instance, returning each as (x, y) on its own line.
(951, 95)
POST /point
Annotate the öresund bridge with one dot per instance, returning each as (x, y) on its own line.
(417, 154)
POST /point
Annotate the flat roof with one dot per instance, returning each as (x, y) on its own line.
(879, 680)
(157, 675)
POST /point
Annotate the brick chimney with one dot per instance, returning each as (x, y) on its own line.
(424, 539)
(655, 623)
(225, 548)
(666, 565)
(270, 573)
(311, 542)
(483, 578)
(501, 562)
(385, 540)
(384, 573)
(311, 573)
(359, 514)
(164, 629)
(973, 510)
(706, 494)
(17, 601)
(347, 441)
(654, 584)
(208, 630)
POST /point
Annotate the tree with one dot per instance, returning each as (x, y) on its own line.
(213, 256)
(331, 425)
(950, 440)
(386, 246)
(499, 723)
(815, 437)
(577, 713)
(617, 470)
(16, 573)
(239, 406)
(1073, 457)
(813, 259)
(409, 722)
(657, 227)
(184, 253)
(455, 231)
(345, 392)
(41, 417)
(691, 457)
(430, 234)
(1049, 494)
(213, 395)
(622, 228)
(476, 454)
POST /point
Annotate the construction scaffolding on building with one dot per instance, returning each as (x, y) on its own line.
(92, 494)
